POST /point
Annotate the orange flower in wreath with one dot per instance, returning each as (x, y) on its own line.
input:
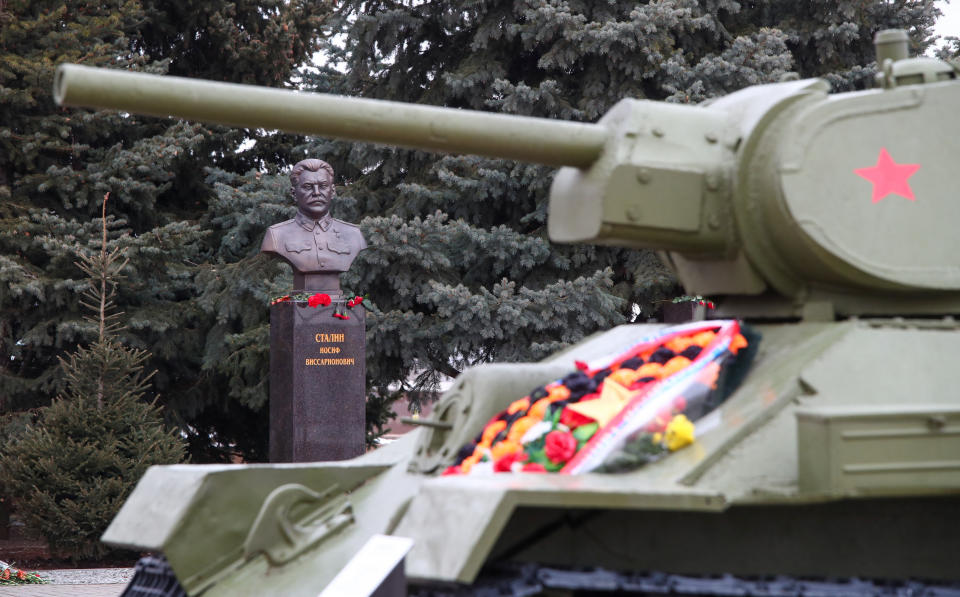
(520, 427)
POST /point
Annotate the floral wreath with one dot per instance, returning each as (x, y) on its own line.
(618, 412)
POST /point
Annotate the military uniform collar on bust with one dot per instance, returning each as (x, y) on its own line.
(309, 224)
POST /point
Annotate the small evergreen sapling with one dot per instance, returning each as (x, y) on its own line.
(70, 472)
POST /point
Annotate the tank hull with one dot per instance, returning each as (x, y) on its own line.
(814, 467)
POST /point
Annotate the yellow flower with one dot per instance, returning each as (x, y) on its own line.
(679, 433)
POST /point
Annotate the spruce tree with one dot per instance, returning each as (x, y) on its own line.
(950, 50)
(72, 470)
(460, 271)
(41, 152)
(55, 164)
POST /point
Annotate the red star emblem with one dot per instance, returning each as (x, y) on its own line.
(889, 177)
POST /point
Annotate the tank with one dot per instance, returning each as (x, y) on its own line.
(821, 220)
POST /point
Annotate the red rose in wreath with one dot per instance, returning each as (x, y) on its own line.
(560, 446)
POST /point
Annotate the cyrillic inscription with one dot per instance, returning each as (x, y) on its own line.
(325, 362)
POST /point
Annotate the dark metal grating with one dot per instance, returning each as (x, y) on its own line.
(530, 580)
(153, 577)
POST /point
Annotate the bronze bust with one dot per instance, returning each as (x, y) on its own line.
(317, 246)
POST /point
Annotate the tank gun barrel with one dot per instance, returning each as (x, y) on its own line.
(775, 189)
(536, 140)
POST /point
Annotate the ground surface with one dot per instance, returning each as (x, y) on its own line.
(85, 582)
(84, 579)
(108, 590)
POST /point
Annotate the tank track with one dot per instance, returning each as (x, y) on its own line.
(154, 578)
(530, 580)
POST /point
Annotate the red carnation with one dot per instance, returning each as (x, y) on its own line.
(319, 300)
(560, 446)
(534, 467)
(505, 464)
(357, 300)
(580, 365)
(351, 304)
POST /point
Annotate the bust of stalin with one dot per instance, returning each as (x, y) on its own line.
(317, 246)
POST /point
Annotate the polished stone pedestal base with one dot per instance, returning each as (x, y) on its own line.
(317, 383)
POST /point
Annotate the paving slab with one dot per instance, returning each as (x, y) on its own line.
(51, 590)
(81, 582)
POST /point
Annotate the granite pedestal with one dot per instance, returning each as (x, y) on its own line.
(317, 383)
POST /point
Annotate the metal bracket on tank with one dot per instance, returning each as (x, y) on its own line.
(293, 519)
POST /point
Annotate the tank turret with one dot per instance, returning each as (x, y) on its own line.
(810, 201)
(836, 457)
